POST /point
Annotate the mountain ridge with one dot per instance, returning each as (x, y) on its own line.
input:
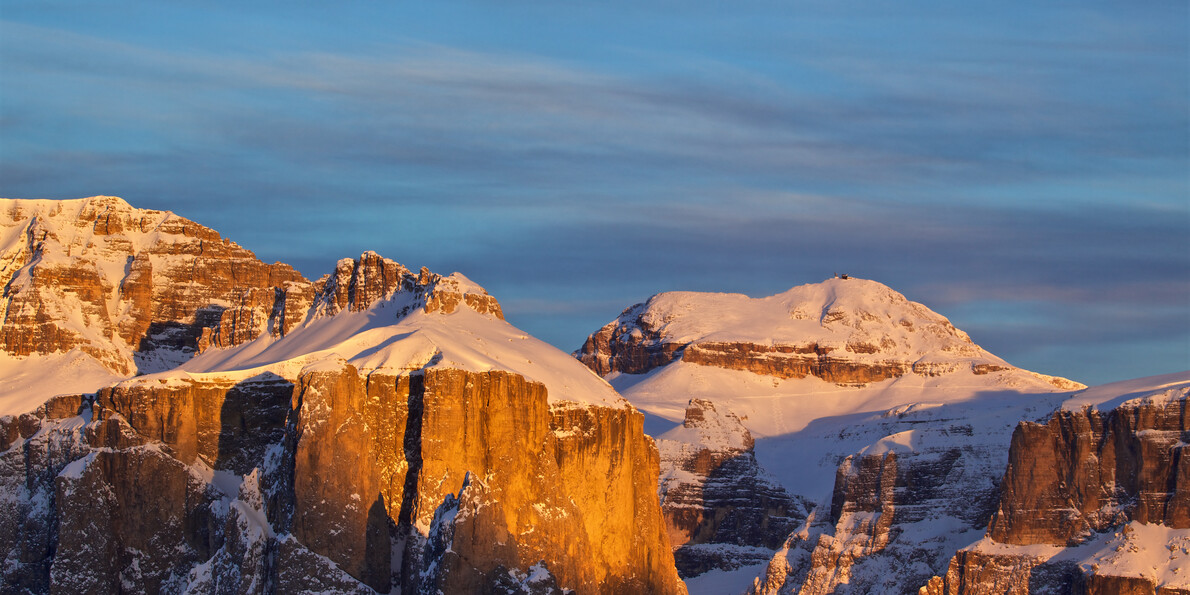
(370, 431)
(885, 432)
(379, 429)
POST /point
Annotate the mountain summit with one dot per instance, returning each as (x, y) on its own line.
(811, 421)
(177, 416)
(374, 430)
(853, 339)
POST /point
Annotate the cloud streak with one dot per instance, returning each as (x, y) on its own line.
(1031, 161)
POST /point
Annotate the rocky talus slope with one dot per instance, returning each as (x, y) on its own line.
(397, 435)
(1094, 500)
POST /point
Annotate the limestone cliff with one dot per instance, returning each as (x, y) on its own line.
(924, 486)
(845, 383)
(722, 510)
(270, 485)
(376, 430)
(136, 289)
(96, 283)
(1083, 497)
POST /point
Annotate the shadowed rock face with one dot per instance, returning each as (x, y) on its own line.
(1086, 471)
(326, 480)
(713, 492)
(441, 479)
(878, 498)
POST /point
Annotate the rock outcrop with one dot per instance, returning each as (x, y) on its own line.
(136, 289)
(142, 291)
(452, 453)
(915, 469)
(1076, 492)
(466, 480)
(900, 507)
(722, 510)
(1086, 471)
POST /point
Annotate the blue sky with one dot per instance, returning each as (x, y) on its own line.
(1023, 168)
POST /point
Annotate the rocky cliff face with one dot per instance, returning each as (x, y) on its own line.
(722, 510)
(844, 380)
(1083, 496)
(922, 485)
(141, 291)
(133, 288)
(335, 481)
(376, 430)
(1086, 471)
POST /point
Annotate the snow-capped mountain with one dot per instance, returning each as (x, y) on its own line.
(843, 346)
(371, 431)
(178, 417)
(96, 290)
(889, 423)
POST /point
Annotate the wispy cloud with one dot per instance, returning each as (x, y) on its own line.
(1021, 161)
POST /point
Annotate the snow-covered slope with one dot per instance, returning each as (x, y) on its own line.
(95, 283)
(1109, 396)
(837, 347)
(396, 334)
(874, 409)
(834, 314)
(376, 430)
(95, 290)
(772, 407)
(28, 381)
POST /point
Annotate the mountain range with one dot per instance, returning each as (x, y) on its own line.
(177, 416)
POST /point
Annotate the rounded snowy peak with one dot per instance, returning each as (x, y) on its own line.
(842, 330)
(856, 315)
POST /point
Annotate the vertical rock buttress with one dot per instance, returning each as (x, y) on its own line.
(439, 479)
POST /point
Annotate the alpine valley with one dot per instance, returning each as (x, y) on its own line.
(177, 416)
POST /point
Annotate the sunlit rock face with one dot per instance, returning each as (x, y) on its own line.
(270, 463)
(443, 479)
(1086, 471)
(134, 288)
(915, 468)
(143, 290)
(1092, 501)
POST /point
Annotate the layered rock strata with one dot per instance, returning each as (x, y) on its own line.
(722, 510)
(851, 332)
(889, 510)
(269, 464)
(913, 484)
(143, 291)
(336, 481)
(133, 288)
(1073, 481)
